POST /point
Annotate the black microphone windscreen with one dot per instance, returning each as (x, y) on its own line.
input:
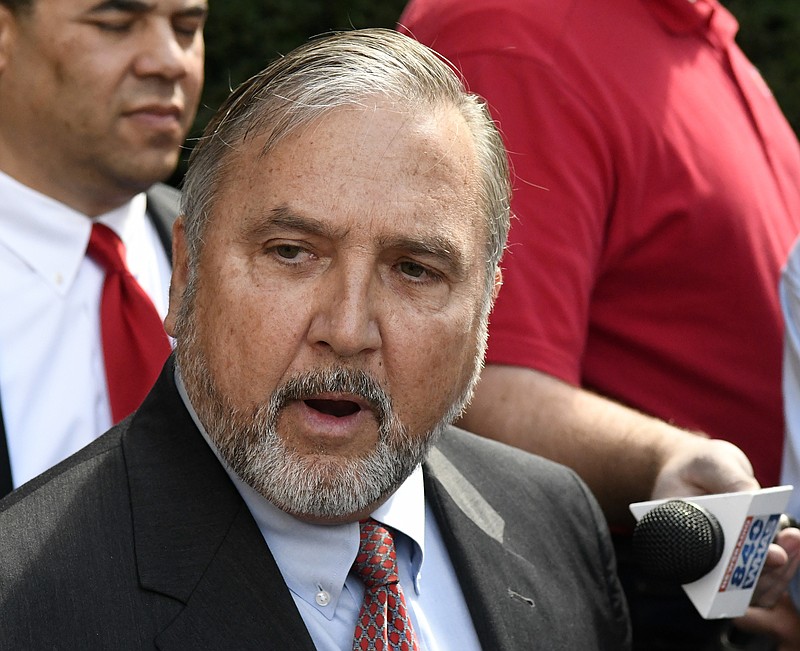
(677, 542)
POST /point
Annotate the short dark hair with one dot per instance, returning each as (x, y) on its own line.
(18, 6)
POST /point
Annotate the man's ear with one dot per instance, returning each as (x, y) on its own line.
(498, 283)
(180, 275)
(8, 29)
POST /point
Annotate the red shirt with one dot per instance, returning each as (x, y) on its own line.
(657, 193)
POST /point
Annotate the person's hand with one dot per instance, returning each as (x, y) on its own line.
(772, 612)
(781, 564)
(781, 623)
(696, 465)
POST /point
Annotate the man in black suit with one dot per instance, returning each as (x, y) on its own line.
(334, 268)
(96, 99)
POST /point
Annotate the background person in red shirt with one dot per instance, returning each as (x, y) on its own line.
(656, 195)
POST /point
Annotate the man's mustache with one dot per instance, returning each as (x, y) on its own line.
(356, 382)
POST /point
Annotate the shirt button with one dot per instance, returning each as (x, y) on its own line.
(323, 598)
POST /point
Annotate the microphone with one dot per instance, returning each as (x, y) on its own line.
(714, 546)
(678, 542)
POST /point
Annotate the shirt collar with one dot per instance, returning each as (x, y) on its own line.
(704, 17)
(333, 547)
(49, 236)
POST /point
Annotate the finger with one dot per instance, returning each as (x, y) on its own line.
(781, 622)
(783, 559)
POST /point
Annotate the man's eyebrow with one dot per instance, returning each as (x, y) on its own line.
(434, 246)
(438, 247)
(142, 7)
(285, 217)
(127, 6)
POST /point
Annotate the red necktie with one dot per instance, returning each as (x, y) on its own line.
(383, 623)
(135, 345)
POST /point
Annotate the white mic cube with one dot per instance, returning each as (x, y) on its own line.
(749, 521)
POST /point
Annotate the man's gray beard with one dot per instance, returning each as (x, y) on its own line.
(319, 485)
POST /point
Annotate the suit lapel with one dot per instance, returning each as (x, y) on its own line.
(500, 587)
(6, 484)
(163, 206)
(196, 541)
(240, 602)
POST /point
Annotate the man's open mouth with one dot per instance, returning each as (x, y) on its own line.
(338, 408)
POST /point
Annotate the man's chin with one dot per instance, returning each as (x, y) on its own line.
(319, 510)
(148, 165)
(322, 488)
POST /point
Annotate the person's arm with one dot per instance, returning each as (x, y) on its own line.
(623, 455)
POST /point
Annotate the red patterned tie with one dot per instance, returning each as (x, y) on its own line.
(383, 623)
(135, 345)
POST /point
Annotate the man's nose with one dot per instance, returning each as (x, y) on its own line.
(346, 319)
(161, 53)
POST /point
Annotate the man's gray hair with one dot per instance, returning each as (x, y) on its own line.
(343, 69)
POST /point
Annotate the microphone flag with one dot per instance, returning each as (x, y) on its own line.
(747, 524)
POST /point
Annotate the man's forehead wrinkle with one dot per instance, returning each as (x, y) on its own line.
(387, 146)
(444, 158)
(261, 131)
(421, 123)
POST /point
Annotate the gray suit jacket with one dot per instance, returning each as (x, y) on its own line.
(140, 540)
(162, 208)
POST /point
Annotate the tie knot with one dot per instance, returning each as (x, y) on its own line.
(376, 563)
(106, 249)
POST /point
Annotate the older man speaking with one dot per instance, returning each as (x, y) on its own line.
(293, 480)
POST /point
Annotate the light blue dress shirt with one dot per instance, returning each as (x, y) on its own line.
(790, 472)
(315, 562)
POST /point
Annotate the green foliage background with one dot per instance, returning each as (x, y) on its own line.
(242, 36)
(769, 33)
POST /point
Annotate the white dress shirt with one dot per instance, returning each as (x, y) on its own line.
(52, 378)
(315, 562)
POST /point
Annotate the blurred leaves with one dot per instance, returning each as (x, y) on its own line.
(769, 33)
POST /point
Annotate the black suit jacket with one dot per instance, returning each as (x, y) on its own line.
(162, 208)
(140, 540)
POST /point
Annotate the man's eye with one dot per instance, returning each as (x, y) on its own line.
(412, 269)
(188, 27)
(288, 251)
(115, 26)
